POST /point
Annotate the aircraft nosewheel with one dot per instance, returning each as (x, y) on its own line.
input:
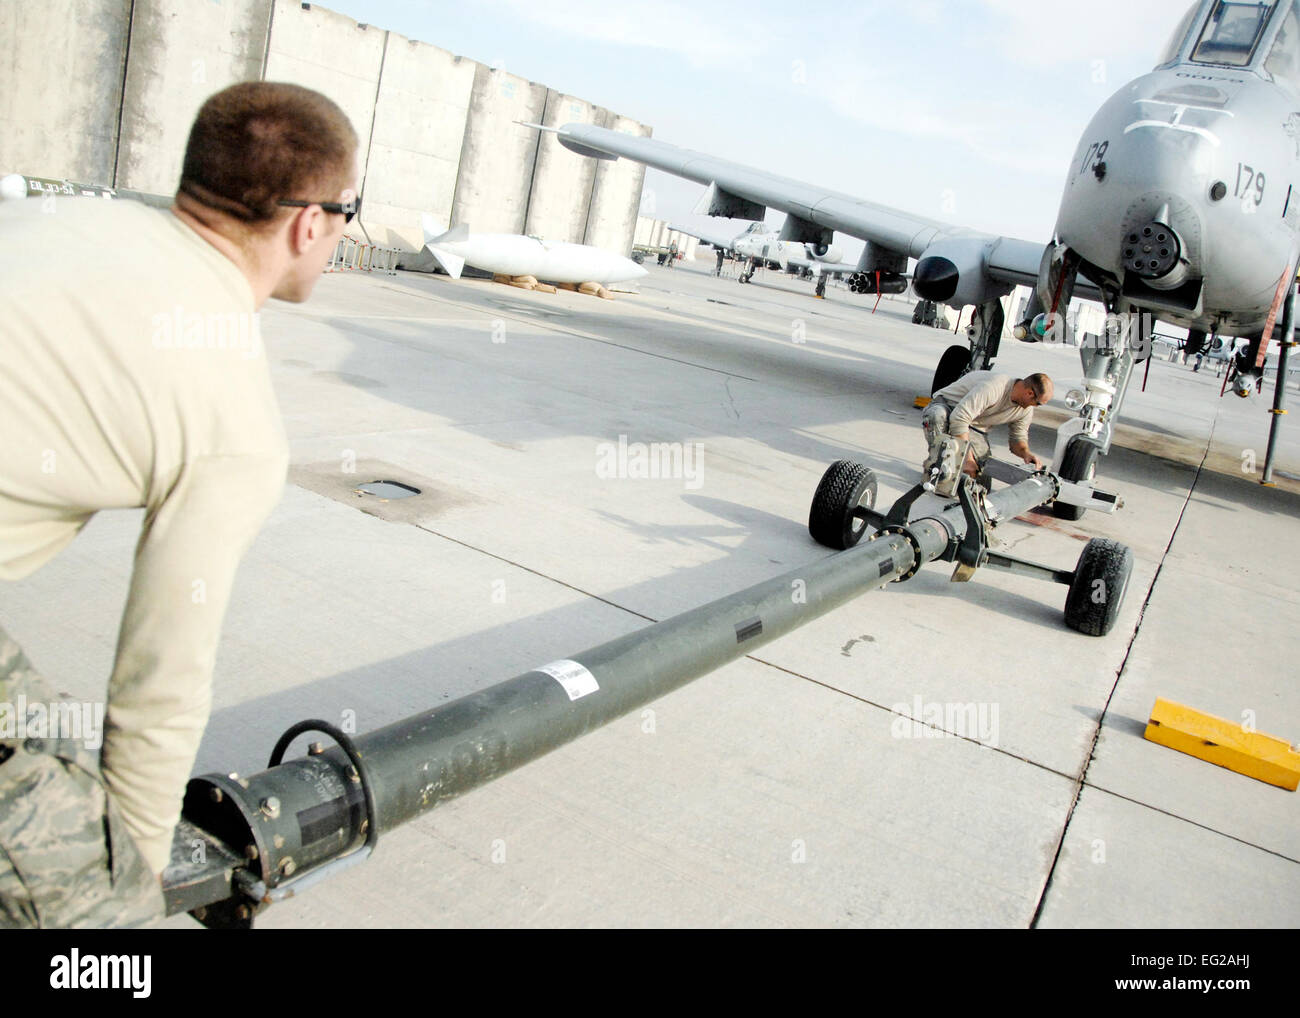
(1078, 464)
(1098, 587)
(833, 520)
(952, 365)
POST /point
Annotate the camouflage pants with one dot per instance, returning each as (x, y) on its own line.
(934, 422)
(66, 857)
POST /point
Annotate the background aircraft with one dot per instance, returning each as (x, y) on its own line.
(1177, 205)
(761, 245)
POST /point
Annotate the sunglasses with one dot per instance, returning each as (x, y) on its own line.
(346, 209)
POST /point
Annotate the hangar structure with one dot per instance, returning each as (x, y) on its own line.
(104, 91)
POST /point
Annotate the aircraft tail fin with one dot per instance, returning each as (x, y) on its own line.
(434, 234)
(451, 264)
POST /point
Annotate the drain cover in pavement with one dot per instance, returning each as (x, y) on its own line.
(388, 489)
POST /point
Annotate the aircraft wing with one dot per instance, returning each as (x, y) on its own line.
(712, 238)
(744, 192)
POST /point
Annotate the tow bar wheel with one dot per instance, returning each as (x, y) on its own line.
(833, 520)
(1097, 590)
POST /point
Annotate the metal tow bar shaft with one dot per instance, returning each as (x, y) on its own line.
(284, 828)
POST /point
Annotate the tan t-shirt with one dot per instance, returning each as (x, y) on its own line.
(132, 374)
(982, 399)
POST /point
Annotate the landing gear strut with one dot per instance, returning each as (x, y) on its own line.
(1107, 366)
(984, 334)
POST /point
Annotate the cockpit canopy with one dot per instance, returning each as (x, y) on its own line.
(1231, 33)
(1227, 33)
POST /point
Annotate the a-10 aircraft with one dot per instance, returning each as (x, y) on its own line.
(1180, 204)
(761, 245)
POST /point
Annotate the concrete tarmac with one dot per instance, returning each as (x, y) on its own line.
(933, 755)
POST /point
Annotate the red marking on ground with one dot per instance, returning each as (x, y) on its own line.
(1044, 518)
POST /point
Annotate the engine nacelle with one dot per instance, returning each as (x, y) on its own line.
(823, 252)
(954, 271)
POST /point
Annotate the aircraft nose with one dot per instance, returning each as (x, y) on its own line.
(935, 278)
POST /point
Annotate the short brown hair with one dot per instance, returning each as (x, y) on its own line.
(1039, 383)
(259, 141)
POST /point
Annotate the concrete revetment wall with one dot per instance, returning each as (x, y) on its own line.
(104, 92)
(332, 54)
(61, 87)
(616, 195)
(180, 54)
(499, 155)
(417, 139)
(562, 180)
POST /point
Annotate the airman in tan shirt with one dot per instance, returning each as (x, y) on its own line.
(134, 377)
(980, 400)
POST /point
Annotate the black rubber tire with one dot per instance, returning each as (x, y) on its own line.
(952, 365)
(845, 486)
(1099, 585)
(1078, 464)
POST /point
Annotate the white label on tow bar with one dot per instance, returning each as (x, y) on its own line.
(576, 680)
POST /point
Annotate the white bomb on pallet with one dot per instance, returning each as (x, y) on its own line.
(513, 255)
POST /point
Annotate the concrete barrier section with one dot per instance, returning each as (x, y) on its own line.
(562, 180)
(180, 55)
(61, 87)
(499, 154)
(415, 146)
(332, 54)
(616, 196)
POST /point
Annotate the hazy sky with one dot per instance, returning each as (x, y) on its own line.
(966, 111)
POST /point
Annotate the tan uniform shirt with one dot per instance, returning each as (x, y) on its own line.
(982, 399)
(132, 374)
